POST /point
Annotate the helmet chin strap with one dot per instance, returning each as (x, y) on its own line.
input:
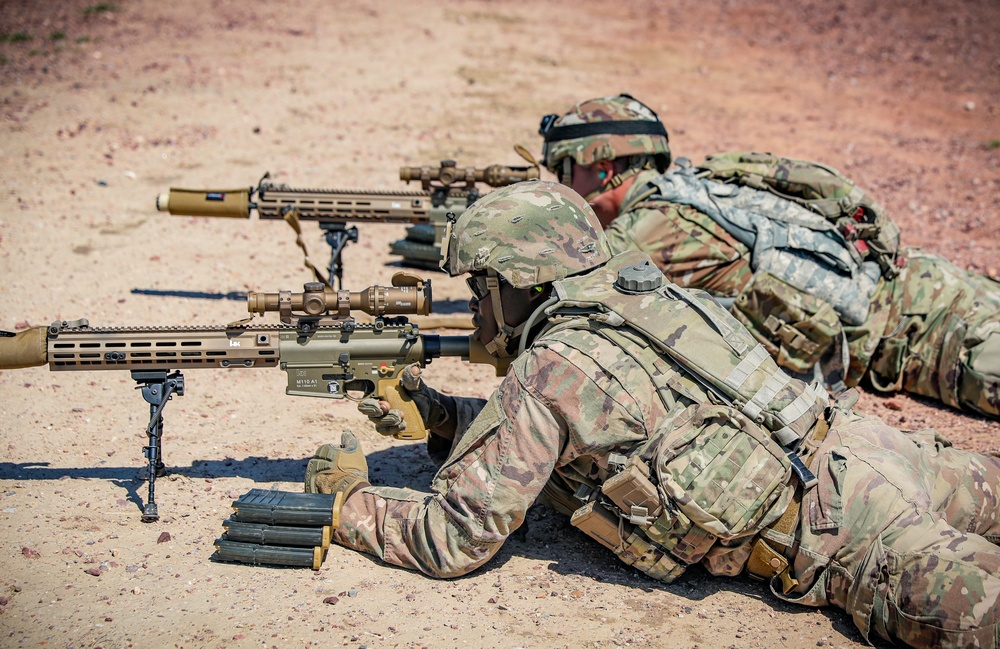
(612, 184)
(505, 333)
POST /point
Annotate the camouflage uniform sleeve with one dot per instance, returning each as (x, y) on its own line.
(478, 498)
(688, 246)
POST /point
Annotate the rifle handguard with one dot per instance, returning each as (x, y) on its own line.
(27, 348)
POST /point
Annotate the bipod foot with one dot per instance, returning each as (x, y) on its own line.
(150, 513)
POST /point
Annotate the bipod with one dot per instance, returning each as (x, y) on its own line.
(158, 388)
(338, 236)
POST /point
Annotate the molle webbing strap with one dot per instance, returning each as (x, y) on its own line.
(762, 397)
(747, 366)
(790, 413)
(623, 127)
(796, 409)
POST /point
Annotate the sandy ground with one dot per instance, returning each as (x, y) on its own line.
(102, 106)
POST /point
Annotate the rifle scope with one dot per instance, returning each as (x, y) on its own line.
(409, 295)
(449, 174)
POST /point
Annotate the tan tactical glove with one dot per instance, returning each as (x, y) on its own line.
(337, 470)
(434, 408)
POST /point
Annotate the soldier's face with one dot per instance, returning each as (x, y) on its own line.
(517, 305)
(587, 180)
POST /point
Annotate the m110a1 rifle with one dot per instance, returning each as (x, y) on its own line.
(325, 351)
(444, 189)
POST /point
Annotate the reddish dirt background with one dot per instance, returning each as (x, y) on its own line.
(105, 105)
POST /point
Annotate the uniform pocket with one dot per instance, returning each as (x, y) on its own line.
(867, 598)
(826, 500)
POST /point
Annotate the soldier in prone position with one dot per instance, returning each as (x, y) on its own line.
(820, 297)
(661, 426)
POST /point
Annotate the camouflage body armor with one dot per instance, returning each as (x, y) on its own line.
(717, 470)
(916, 322)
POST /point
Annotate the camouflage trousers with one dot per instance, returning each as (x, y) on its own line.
(901, 532)
(942, 335)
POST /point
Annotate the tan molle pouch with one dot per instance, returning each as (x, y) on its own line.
(633, 493)
(722, 471)
(639, 553)
(625, 541)
(601, 525)
(796, 328)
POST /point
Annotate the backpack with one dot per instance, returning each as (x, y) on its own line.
(820, 189)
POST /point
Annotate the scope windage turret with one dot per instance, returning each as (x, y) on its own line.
(408, 295)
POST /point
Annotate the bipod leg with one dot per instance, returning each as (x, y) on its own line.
(158, 388)
(338, 236)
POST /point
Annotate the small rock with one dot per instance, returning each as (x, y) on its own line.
(137, 591)
(163, 538)
(492, 600)
(331, 600)
(353, 592)
(28, 553)
(893, 404)
(970, 105)
(95, 572)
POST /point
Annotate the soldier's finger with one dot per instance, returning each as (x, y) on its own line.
(372, 408)
(410, 378)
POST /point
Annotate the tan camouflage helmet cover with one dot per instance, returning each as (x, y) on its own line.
(529, 233)
(604, 129)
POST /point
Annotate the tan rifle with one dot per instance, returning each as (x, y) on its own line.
(446, 188)
(325, 351)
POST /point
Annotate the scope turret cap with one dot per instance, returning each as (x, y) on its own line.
(604, 129)
(529, 233)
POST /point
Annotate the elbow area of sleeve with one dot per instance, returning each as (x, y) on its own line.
(412, 530)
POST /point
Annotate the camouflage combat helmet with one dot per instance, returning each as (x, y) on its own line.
(605, 128)
(528, 234)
